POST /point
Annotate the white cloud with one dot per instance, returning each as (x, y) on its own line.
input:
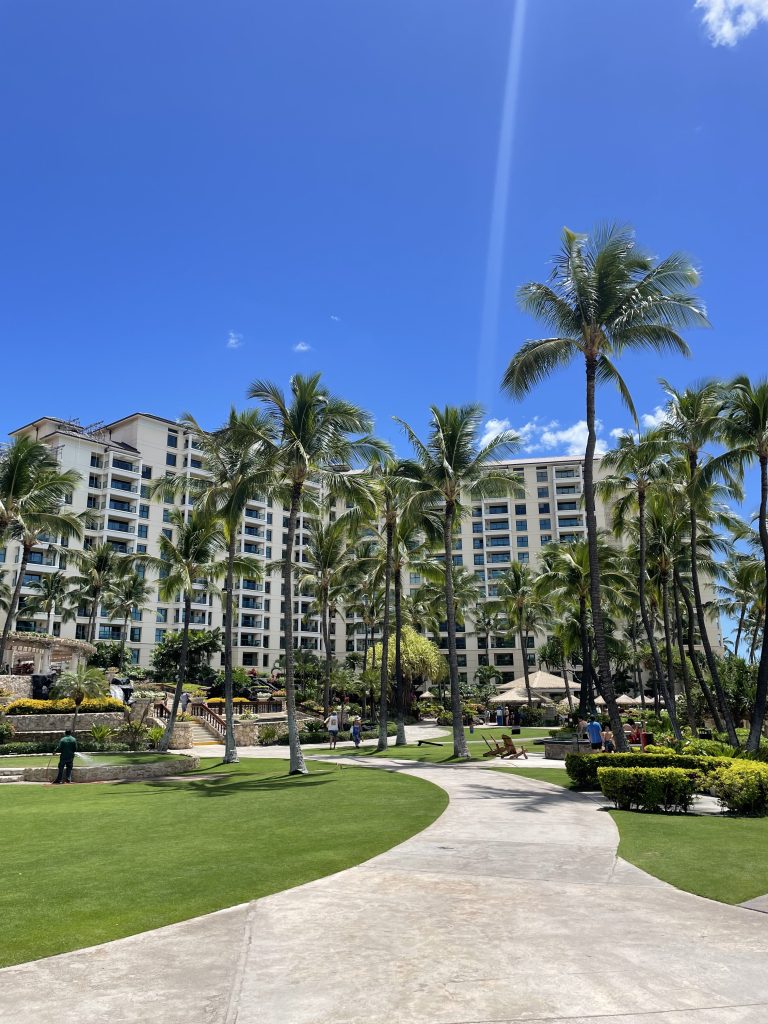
(573, 439)
(301, 346)
(651, 420)
(492, 429)
(617, 432)
(234, 340)
(334, 317)
(728, 21)
(551, 437)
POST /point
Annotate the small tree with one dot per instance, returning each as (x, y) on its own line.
(79, 685)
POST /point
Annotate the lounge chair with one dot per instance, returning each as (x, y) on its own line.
(511, 752)
(494, 749)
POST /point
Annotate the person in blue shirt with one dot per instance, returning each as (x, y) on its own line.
(595, 733)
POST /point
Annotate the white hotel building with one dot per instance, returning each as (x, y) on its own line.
(117, 463)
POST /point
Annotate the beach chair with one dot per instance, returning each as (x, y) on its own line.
(494, 749)
(511, 752)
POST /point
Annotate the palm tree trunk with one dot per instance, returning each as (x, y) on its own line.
(693, 654)
(123, 645)
(399, 685)
(13, 606)
(739, 629)
(95, 600)
(165, 742)
(758, 715)
(598, 625)
(365, 646)
(230, 747)
(384, 674)
(297, 766)
(324, 615)
(669, 692)
(74, 719)
(526, 676)
(459, 741)
(690, 709)
(50, 618)
(568, 695)
(647, 623)
(699, 605)
(586, 682)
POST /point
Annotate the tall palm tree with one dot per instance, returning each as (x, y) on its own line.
(694, 422)
(321, 437)
(454, 469)
(605, 295)
(195, 552)
(127, 594)
(79, 685)
(99, 568)
(742, 576)
(745, 430)
(32, 491)
(238, 460)
(517, 595)
(487, 623)
(52, 596)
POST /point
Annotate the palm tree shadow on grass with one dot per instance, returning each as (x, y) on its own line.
(230, 784)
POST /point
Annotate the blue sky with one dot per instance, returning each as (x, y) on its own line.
(198, 194)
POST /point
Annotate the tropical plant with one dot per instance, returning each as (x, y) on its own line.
(99, 569)
(455, 468)
(523, 611)
(78, 685)
(605, 295)
(127, 593)
(51, 596)
(318, 437)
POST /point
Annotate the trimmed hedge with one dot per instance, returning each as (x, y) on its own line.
(65, 706)
(649, 789)
(87, 746)
(742, 787)
(583, 768)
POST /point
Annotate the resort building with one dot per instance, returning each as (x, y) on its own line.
(117, 463)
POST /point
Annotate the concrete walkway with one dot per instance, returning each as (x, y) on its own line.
(512, 907)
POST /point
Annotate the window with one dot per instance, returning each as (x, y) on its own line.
(168, 533)
(478, 560)
(477, 527)
(542, 492)
(170, 459)
(498, 510)
(95, 461)
(522, 542)
(565, 489)
(541, 474)
(173, 441)
(545, 524)
(498, 542)
(531, 659)
(144, 491)
(93, 481)
(519, 510)
(499, 556)
(134, 656)
(123, 464)
(161, 615)
(523, 556)
(546, 538)
(143, 511)
(521, 526)
(142, 530)
(499, 524)
(567, 506)
(477, 542)
(146, 472)
(568, 521)
(135, 634)
(458, 560)
(543, 507)
(141, 549)
(159, 635)
(166, 515)
(565, 474)
(477, 513)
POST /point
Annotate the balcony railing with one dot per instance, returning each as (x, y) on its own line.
(123, 485)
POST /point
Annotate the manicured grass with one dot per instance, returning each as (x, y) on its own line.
(724, 859)
(89, 863)
(41, 760)
(557, 776)
(444, 752)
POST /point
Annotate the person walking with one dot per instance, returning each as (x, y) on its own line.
(184, 702)
(357, 731)
(66, 749)
(595, 733)
(608, 744)
(332, 725)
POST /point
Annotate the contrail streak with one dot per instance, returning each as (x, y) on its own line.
(497, 233)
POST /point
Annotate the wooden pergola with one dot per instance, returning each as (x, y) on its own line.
(44, 652)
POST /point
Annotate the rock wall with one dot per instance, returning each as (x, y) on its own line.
(169, 765)
(38, 728)
(17, 686)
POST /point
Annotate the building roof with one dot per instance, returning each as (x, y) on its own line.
(538, 680)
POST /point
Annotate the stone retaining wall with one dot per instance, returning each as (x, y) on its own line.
(17, 686)
(181, 738)
(172, 765)
(557, 749)
(247, 733)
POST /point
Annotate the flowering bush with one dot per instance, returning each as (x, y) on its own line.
(91, 705)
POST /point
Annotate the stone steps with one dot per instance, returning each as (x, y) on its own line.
(11, 775)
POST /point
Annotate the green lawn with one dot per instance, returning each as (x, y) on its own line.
(88, 863)
(444, 752)
(41, 760)
(557, 776)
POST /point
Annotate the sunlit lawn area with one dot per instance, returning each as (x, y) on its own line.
(84, 864)
(440, 748)
(556, 776)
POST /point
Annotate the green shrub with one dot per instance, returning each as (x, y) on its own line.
(267, 735)
(134, 735)
(66, 705)
(648, 789)
(50, 745)
(742, 787)
(6, 731)
(101, 735)
(583, 768)
(531, 716)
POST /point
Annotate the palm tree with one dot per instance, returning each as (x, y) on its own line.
(605, 295)
(517, 595)
(456, 468)
(32, 491)
(317, 439)
(487, 623)
(127, 594)
(326, 573)
(194, 556)
(238, 460)
(52, 596)
(81, 684)
(694, 421)
(745, 429)
(99, 568)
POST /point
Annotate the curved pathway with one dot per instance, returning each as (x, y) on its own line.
(511, 907)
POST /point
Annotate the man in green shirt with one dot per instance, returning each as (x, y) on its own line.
(66, 748)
